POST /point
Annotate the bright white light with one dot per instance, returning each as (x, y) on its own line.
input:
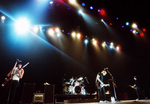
(134, 31)
(86, 41)
(78, 35)
(51, 32)
(51, 2)
(57, 29)
(134, 25)
(94, 42)
(127, 23)
(35, 29)
(73, 34)
(111, 45)
(3, 18)
(22, 25)
(58, 35)
(72, 1)
(103, 44)
(102, 20)
(80, 11)
(117, 48)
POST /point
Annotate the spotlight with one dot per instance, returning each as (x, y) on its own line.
(80, 11)
(94, 42)
(86, 41)
(57, 29)
(3, 18)
(102, 20)
(91, 7)
(22, 25)
(134, 25)
(35, 29)
(134, 31)
(78, 35)
(83, 4)
(103, 44)
(73, 34)
(51, 2)
(111, 45)
(72, 1)
(144, 29)
(118, 48)
(142, 34)
(122, 26)
(99, 10)
(127, 23)
(58, 35)
(51, 32)
(103, 13)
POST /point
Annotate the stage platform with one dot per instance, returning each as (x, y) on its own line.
(119, 102)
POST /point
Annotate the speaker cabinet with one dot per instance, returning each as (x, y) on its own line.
(28, 91)
(38, 98)
(49, 94)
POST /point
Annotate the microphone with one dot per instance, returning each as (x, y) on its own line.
(19, 60)
(105, 68)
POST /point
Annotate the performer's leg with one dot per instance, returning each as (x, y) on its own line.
(104, 96)
(13, 91)
(140, 92)
(100, 94)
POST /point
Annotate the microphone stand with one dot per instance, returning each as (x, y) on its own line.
(113, 84)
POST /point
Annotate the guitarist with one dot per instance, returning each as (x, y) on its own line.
(12, 79)
(100, 85)
(138, 89)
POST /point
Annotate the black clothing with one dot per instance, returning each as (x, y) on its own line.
(138, 90)
(101, 91)
(9, 91)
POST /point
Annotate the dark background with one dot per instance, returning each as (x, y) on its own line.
(50, 60)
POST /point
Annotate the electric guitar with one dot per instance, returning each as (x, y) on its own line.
(133, 87)
(104, 85)
(99, 85)
(8, 79)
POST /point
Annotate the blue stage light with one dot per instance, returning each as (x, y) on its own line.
(91, 7)
(83, 4)
(127, 23)
(86, 41)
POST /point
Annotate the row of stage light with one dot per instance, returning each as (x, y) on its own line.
(57, 32)
(22, 26)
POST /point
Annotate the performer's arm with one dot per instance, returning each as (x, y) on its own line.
(20, 73)
(8, 75)
(98, 78)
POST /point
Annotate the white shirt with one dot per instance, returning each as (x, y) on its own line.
(15, 75)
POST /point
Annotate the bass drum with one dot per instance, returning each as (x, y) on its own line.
(80, 90)
(77, 89)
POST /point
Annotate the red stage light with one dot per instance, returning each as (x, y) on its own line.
(81, 36)
(102, 12)
(142, 34)
(110, 23)
(144, 29)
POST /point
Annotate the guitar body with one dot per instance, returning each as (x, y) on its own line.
(133, 87)
(99, 85)
(6, 81)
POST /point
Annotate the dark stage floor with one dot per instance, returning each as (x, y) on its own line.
(120, 102)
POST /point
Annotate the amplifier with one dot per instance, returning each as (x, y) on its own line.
(38, 98)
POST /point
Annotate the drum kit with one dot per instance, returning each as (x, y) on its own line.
(75, 86)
